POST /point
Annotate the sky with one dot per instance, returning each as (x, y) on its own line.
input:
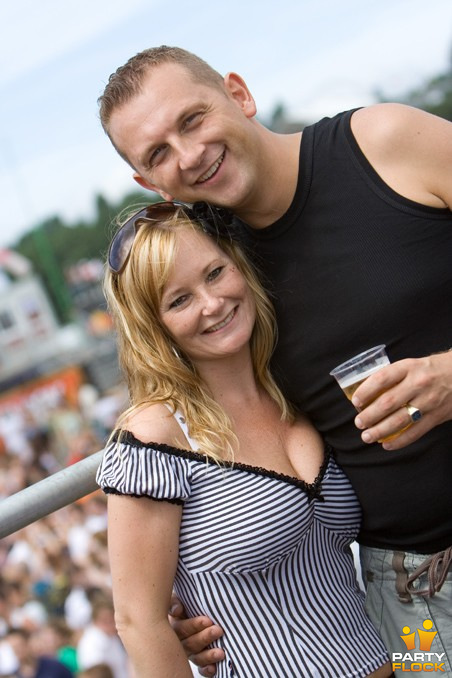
(316, 57)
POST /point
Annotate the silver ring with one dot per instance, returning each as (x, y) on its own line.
(413, 412)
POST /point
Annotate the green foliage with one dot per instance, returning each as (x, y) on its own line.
(53, 245)
(434, 95)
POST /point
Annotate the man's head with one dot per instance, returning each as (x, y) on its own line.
(188, 133)
(126, 82)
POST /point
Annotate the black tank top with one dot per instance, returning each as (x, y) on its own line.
(352, 264)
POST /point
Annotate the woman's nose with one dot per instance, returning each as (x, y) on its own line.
(211, 303)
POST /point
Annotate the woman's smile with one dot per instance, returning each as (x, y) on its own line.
(223, 323)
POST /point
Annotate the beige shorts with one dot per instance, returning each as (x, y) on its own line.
(417, 632)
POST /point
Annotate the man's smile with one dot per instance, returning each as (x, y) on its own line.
(211, 171)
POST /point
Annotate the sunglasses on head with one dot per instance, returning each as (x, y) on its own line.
(213, 220)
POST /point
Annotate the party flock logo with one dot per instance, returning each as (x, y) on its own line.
(421, 659)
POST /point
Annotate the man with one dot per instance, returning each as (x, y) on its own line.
(351, 225)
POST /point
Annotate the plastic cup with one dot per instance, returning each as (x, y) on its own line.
(353, 372)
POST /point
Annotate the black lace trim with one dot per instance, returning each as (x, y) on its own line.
(312, 490)
(113, 490)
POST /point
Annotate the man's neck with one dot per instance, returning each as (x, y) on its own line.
(279, 182)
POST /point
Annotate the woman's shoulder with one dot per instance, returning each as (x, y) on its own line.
(153, 422)
(143, 457)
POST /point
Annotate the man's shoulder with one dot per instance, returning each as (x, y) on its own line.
(410, 149)
(381, 124)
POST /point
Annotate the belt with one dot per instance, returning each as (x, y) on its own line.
(435, 566)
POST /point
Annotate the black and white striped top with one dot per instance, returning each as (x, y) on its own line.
(266, 556)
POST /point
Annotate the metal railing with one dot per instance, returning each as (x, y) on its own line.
(48, 495)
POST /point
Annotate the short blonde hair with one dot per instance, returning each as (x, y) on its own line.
(125, 83)
(154, 367)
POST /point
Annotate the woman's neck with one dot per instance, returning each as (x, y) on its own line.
(231, 380)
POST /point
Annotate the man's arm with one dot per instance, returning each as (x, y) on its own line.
(410, 149)
(196, 634)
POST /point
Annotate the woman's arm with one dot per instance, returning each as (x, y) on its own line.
(143, 542)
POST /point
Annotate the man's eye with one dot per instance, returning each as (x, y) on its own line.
(215, 273)
(156, 155)
(190, 120)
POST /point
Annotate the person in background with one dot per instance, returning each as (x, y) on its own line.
(99, 642)
(31, 663)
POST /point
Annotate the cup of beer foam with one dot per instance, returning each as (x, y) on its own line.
(352, 373)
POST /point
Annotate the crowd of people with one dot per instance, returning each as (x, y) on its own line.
(258, 583)
(56, 610)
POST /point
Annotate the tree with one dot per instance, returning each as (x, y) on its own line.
(53, 246)
(434, 95)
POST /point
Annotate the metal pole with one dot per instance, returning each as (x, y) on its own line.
(48, 495)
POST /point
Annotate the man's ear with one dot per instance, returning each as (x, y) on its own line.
(237, 88)
(151, 187)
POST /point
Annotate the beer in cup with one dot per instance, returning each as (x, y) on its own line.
(353, 372)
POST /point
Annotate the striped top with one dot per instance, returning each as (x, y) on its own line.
(264, 555)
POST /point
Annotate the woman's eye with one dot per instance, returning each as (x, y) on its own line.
(179, 301)
(215, 273)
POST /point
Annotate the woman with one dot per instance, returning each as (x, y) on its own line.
(215, 487)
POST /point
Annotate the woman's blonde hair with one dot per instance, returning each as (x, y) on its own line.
(156, 370)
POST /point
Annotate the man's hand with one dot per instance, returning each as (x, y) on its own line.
(424, 383)
(196, 634)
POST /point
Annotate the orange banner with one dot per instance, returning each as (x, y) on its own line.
(43, 394)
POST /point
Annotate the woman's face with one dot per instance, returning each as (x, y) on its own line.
(207, 305)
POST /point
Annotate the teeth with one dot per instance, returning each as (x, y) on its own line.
(224, 322)
(211, 171)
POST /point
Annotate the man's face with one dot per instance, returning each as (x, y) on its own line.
(190, 141)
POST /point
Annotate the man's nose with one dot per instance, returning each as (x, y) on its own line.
(190, 154)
